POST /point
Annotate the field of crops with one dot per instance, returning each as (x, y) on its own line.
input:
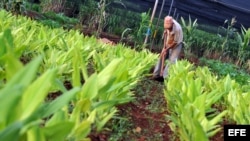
(61, 85)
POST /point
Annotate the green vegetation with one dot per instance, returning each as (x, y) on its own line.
(94, 17)
(61, 56)
(69, 86)
(192, 102)
(223, 69)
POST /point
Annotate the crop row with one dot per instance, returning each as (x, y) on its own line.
(200, 103)
(37, 61)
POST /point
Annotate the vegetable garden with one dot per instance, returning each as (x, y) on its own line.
(59, 84)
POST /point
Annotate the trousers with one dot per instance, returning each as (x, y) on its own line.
(172, 58)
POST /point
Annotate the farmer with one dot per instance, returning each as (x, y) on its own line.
(173, 37)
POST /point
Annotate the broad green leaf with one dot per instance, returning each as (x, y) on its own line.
(59, 102)
(101, 123)
(25, 75)
(35, 134)
(92, 116)
(11, 94)
(58, 131)
(76, 62)
(36, 93)
(82, 106)
(99, 62)
(82, 130)
(85, 105)
(13, 65)
(58, 116)
(107, 72)
(10, 101)
(84, 70)
(213, 132)
(11, 133)
(103, 92)
(6, 42)
(214, 96)
(227, 83)
(104, 105)
(59, 85)
(199, 133)
(200, 104)
(90, 88)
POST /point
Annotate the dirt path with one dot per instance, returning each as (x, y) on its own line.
(148, 113)
(143, 119)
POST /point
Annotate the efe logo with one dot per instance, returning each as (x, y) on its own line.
(236, 132)
(241, 132)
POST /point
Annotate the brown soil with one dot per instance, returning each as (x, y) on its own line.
(145, 116)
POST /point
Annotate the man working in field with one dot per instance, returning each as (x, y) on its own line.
(173, 37)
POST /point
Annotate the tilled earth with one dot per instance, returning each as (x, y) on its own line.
(143, 119)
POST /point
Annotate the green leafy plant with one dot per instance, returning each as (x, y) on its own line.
(188, 29)
(224, 69)
(62, 56)
(238, 104)
(243, 50)
(143, 27)
(190, 93)
(25, 91)
(230, 31)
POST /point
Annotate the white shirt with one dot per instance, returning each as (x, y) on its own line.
(176, 35)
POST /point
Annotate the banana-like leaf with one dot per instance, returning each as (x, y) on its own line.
(7, 54)
(90, 88)
(11, 133)
(105, 75)
(101, 123)
(36, 93)
(11, 94)
(82, 130)
(58, 103)
(13, 65)
(104, 105)
(58, 131)
(92, 116)
(190, 100)
(77, 61)
(9, 102)
(82, 106)
(200, 104)
(35, 134)
(58, 116)
(6, 41)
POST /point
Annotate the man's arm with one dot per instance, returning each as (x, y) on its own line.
(171, 45)
(167, 47)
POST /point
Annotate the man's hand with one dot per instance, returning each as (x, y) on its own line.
(164, 51)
